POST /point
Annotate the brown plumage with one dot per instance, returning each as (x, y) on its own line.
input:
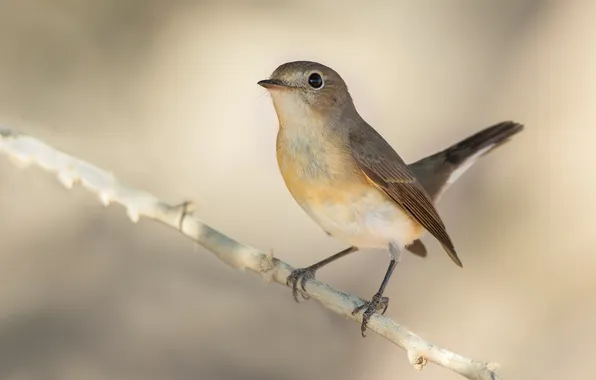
(386, 169)
(350, 181)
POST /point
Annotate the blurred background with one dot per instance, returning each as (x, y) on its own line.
(164, 95)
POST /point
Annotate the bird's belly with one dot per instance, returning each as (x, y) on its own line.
(365, 218)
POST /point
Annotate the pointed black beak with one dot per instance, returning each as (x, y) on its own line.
(271, 83)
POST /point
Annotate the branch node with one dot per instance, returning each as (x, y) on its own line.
(418, 360)
(267, 266)
(105, 198)
(493, 366)
(133, 214)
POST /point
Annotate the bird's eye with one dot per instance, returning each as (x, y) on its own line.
(315, 80)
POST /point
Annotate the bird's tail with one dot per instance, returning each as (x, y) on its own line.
(439, 171)
(483, 141)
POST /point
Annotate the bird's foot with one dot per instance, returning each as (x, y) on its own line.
(300, 275)
(378, 303)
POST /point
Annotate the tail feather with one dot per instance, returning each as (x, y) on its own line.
(486, 140)
(439, 171)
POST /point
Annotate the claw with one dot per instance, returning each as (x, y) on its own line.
(303, 275)
(377, 303)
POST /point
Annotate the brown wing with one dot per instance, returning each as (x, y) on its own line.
(385, 168)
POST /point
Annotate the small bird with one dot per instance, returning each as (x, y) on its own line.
(351, 182)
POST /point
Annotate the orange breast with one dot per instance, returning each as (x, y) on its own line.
(335, 193)
(317, 170)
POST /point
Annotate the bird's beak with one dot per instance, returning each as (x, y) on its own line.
(271, 84)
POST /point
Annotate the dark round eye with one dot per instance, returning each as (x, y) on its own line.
(315, 80)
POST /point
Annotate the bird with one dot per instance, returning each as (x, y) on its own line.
(352, 183)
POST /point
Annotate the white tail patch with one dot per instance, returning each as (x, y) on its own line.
(466, 165)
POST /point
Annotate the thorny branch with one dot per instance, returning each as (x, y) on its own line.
(24, 149)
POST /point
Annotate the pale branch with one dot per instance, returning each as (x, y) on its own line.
(24, 149)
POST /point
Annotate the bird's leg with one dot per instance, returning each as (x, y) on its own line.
(378, 301)
(308, 273)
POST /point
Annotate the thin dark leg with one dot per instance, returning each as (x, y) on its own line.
(305, 274)
(378, 300)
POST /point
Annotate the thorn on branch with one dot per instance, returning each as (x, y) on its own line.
(105, 198)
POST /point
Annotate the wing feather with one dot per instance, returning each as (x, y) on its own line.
(385, 168)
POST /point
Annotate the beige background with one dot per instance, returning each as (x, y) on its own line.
(164, 94)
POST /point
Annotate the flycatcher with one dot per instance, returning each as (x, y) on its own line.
(350, 181)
